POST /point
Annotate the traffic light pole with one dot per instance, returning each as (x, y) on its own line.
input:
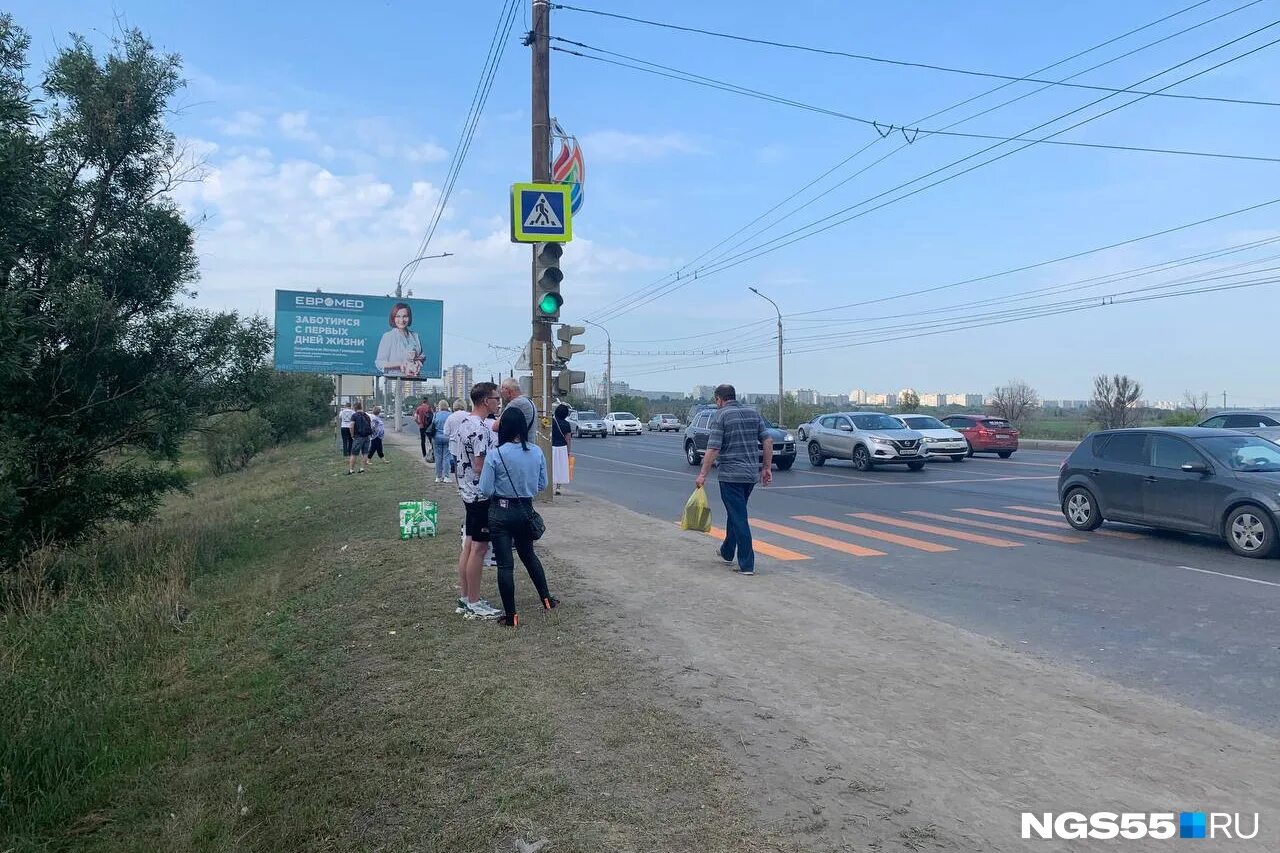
(541, 133)
(608, 367)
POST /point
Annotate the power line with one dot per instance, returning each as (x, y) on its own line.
(497, 47)
(861, 150)
(783, 241)
(905, 63)
(884, 129)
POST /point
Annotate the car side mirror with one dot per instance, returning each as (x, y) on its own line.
(1196, 468)
(845, 428)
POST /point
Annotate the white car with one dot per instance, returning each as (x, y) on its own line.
(622, 423)
(940, 440)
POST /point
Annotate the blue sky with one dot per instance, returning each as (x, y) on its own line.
(326, 130)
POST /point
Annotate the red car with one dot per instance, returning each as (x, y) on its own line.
(985, 434)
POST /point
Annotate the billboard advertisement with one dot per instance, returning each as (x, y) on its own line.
(356, 334)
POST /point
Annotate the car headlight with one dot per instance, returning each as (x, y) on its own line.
(788, 437)
(879, 440)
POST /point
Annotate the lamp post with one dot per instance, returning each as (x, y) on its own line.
(608, 368)
(400, 278)
(779, 310)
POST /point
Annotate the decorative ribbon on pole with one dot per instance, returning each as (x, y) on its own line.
(568, 166)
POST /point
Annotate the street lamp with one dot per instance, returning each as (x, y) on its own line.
(400, 277)
(608, 369)
(779, 310)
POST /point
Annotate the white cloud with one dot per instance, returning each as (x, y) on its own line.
(295, 126)
(617, 146)
(427, 152)
(243, 123)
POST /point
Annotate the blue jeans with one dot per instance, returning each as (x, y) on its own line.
(737, 532)
(442, 457)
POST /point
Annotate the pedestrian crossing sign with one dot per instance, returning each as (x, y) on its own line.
(541, 213)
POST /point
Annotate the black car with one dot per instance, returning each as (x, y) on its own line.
(1215, 481)
(699, 428)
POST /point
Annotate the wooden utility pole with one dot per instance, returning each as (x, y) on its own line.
(541, 126)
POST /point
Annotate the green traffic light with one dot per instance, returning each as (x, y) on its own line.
(550, 303)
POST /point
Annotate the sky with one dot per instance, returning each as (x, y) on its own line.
(327, 129)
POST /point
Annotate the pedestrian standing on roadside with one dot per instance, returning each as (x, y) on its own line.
(513, 474)
(344, 430)
(472, 441)
(440, 441)
(451, 424)
(423, 416)
(361, 433)
(512, 396)
(379, 431)
(561, 447)
(738, 436)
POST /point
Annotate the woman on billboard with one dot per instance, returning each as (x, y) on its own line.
(400, 352)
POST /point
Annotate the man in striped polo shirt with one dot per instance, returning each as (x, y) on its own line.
(738, 434)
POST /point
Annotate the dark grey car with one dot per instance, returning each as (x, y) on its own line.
(699, 429)
(1213, 481)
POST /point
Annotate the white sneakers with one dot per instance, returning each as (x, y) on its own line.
(478, 609)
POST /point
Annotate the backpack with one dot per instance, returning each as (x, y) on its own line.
(361, 426)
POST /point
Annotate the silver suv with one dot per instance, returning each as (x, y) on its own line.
(867, 439)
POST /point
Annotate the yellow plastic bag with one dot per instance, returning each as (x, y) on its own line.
(697, 512)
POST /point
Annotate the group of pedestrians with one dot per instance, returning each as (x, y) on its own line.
(362, 433)
(498, 470)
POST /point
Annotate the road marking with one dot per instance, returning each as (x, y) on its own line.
(905, 541)
(922, 482)
(1225, 575)
(1056, 513)
(666, 471)
(1007, 516)
(1012, 462)
(1003, 528)
(976, 538)
(815, 539)
(778, 553)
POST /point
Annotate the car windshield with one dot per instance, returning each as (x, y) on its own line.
(996, 423)
(587, 416)
(875, 422)
(623, 416)
(924, 422)
(1245, 453)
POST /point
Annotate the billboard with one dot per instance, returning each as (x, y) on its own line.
(359, 335)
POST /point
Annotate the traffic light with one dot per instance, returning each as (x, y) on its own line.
(567, 348)
(547, 302)
(564, 381)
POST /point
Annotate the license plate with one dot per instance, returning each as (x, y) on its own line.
(907, 452)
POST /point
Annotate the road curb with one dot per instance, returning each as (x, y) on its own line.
(1045, 444)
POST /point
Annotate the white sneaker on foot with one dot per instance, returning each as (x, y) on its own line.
(483, 610)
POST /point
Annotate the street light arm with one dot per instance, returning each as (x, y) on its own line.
(770, 301)
(400, 278)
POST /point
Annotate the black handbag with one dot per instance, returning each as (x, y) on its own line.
(537, 526)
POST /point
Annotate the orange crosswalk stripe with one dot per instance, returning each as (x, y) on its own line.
(765, 548)
(963, 536)
(1003, 528)
(815, 539)
(905, 541)
(1116, 534)
(1056, 513)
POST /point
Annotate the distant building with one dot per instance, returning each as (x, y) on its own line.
(703, 392)
(1165, 405)
(857, 396)
(806, 396)
(458, 379)
(908, 392)
(833, 400)
(933, 400)
(969, 401)
(882, 400)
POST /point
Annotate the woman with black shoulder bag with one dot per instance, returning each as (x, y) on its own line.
(513, 474)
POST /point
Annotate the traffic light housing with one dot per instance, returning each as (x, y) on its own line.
(564, 381)
(567, 349)
(547, 299)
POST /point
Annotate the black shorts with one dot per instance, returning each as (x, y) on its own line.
(477, 523)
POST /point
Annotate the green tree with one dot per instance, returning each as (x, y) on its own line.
(909, 402)
(103, 370)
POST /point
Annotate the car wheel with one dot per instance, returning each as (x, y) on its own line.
(1251, 532)
(816, 459)
(916, 466)
(1081, 509)
(862, 459)
(785, 464)
(803, 436)
(691, 454)
(1004, 454)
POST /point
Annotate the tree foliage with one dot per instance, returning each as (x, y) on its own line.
(1115, 401)
(1015, 401)
(103, 370)
(909, 402)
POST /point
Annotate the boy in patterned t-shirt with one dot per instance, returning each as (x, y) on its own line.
(470, 442)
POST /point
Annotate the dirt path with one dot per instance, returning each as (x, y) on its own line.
(861, 726)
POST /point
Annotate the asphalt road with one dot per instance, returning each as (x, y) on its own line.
(981, 545)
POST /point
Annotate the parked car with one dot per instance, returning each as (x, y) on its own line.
(867, 439)
(1258, 422)
(806, 428)
(662, 423)
(940, 440)
(622, 423)
(1195, 479)
(985, 434)
(587, 424)
(699, 429)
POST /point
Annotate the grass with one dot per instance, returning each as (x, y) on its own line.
(268, 667)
